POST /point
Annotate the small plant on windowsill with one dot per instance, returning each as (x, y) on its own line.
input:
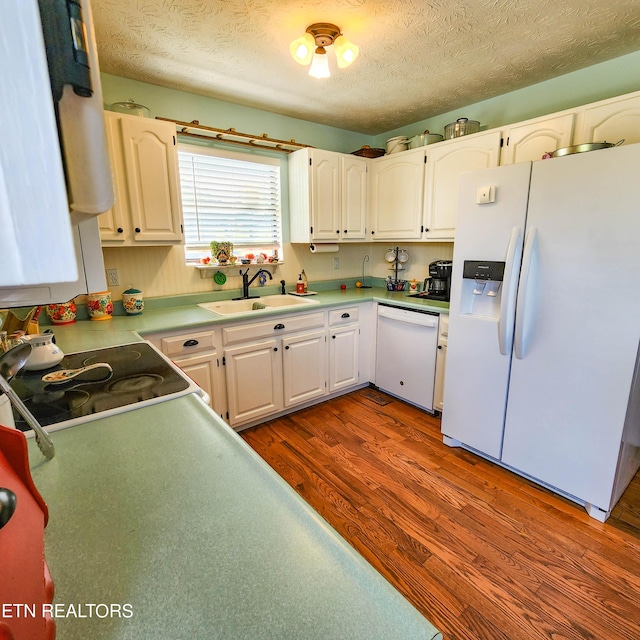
(222, 252)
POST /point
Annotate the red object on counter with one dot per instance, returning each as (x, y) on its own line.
(26, 581)
(343, 286)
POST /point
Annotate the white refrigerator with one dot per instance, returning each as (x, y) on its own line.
(544, 332)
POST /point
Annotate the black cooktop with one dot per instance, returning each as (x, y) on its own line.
(140, 374)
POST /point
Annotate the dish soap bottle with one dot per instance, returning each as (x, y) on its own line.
(300, 284)
(305, 281)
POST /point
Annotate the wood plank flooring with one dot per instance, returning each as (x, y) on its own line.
(481, 552)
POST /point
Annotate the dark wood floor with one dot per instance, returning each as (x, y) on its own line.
(481, 552)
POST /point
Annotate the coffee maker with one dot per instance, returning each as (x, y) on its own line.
(438, 284)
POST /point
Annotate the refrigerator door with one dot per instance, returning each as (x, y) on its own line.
(480, 324)
(573, 366)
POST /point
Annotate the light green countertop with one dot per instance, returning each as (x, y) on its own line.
(167, 510)
(184, 313)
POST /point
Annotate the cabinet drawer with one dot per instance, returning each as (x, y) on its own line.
(343, 316)
(188, 343)
(273, 327)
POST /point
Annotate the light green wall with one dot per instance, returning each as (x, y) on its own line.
(179, 105)
(598, 82)
(170, 276)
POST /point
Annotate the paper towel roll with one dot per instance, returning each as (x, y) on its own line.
(324, 248)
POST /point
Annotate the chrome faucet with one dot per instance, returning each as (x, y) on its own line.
(246, 283)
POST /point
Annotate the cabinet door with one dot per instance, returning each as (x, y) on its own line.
(325, 195)
(610, 121)
(354, 197)
(343, 357)
(528, 142)
(150, 159)
(113, 223)
(254, 380)
(203, 370)
(445, 163)
(304, 367)
(396, 196)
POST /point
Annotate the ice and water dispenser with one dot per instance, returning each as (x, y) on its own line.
(482, 287)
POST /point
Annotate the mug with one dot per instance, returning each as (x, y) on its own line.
(99, 305)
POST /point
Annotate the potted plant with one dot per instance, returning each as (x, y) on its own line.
(221, 251)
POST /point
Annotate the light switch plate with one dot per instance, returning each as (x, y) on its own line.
(486, 195)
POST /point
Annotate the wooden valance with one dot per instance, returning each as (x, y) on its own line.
(194, 129)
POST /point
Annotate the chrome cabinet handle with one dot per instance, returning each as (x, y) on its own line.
(8, 502)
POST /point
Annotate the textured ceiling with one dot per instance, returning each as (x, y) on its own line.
(418, 58)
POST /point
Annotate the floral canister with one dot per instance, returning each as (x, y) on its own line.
(62, 313)
(132, 301)
(99, 305)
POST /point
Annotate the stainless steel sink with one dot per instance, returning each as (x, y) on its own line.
(255, 305)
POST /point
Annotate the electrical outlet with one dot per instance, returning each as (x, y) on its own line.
(336, 263)
(112, 277)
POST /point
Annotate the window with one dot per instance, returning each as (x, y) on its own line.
(229, 197)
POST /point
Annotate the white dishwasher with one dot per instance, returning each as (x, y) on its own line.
(406, 349)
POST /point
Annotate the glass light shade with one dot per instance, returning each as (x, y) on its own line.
(346, 51)
(319, 64)
(302, 48)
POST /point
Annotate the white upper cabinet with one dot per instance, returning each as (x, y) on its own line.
(327, 196)
(445, 162)
(530, 140)
(354, 197)
(397, 189)
(610, 120)
(148, 209)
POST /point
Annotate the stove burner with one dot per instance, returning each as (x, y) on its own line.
(134, 384)
(117, 357)
(54, 407)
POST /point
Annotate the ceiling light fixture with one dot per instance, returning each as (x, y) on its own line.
(311, 48)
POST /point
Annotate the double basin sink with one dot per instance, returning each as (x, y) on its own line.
(256, 305)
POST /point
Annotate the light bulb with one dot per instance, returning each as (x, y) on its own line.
(346, 51)
(320, 64)
(302, 48)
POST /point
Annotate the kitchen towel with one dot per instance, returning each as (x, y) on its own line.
(324, 248)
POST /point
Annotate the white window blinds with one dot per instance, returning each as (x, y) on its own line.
(226, 198)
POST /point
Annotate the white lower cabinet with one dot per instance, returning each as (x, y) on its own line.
(304, 367)
(274, 364)
(344, 348)
(441, 359)
(253, 374)
(198, 355)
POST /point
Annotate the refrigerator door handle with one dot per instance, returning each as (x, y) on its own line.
(507, 307)
(522, 311)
